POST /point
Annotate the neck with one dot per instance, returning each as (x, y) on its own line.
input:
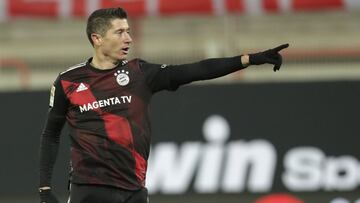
(103, 62)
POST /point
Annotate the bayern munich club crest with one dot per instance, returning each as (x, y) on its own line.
(122, 77)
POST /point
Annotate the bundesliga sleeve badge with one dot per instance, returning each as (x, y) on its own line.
(52, 95)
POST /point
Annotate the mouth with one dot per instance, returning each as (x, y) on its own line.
(125, 50)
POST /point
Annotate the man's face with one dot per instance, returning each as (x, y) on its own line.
(116, 42)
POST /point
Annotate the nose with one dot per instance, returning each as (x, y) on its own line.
(128, 38)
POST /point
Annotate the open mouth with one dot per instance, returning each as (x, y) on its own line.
(125, 50)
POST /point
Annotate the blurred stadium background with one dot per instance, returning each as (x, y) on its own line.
(321, 70)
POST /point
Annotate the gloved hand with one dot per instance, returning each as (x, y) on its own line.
(270, 56)
(46, 196)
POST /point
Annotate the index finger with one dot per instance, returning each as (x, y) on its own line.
(281, 47)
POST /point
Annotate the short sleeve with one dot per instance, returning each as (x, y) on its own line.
(58, 102)
(158, 76)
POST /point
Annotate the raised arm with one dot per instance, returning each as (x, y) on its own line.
(170, 77)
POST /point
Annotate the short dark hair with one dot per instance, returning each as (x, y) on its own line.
(100, 20)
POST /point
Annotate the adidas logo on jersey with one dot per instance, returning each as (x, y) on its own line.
(81, 87)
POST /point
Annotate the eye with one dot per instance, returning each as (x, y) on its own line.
(120, 32)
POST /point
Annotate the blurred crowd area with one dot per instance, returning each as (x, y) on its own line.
(324, 45)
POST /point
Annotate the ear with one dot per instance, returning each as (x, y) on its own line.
(96, 38)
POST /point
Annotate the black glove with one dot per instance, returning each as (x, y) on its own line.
(46, 196)
(271, 56)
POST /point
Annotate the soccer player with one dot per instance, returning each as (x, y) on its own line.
(105, 101)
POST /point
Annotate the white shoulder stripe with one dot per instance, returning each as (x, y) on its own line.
(74, 67)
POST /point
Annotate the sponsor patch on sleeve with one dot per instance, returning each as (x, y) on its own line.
(52, 95)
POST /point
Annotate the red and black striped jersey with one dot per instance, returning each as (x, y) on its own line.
(108, 115)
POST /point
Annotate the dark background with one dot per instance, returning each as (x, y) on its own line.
(321, 114)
